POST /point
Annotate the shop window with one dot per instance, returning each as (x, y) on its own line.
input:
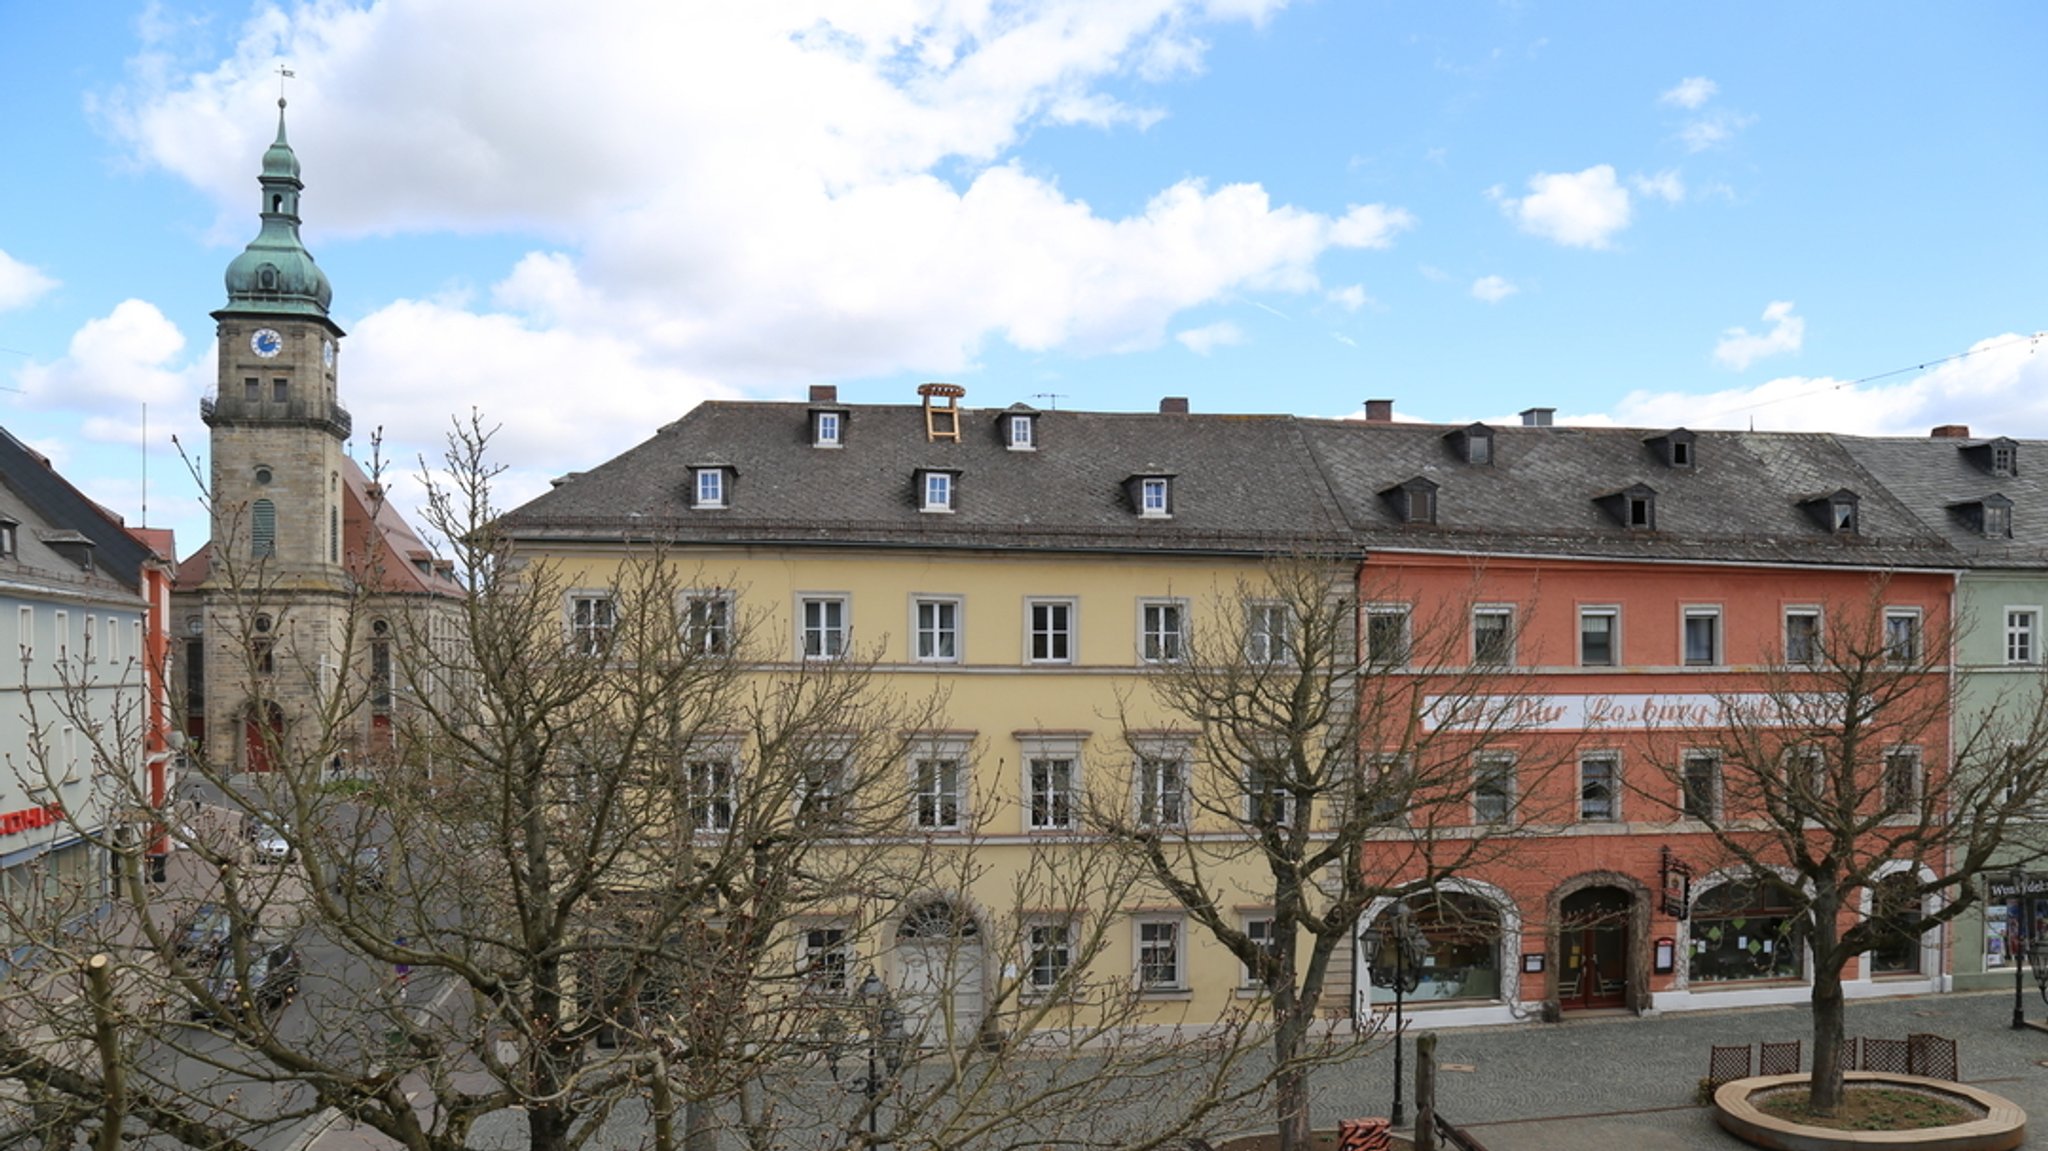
(1896, 911)
(1744, 930)
(1463, 933)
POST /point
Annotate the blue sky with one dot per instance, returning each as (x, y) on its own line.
(584, 219)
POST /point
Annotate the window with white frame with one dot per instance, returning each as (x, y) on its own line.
(1493, 635)
(1162, 630)
(710, 787)
(827, 428)
(2022, 635)
(710, 487)
(1257, 927)
(63, 635)
(1386, 634)
(25, 631)
(1049, 953)
(1051, 624)
(1162, 791)
(1269, 633)
(1702, 636)
(827, 957)
(1020, 433)
(1806, 772)
(1387, 791)
(592, 616)
(707, 622)
(1269, 799)
(1902, 635)
(1700, 785)
(937, 628)
(821, 789)
(1902, 779)
(91, 645)
(823, 624)
(1493, 786)
(1161, 961)
(935, 788)
(1051, 787)
(938, 491)
(1599, 787)
(1802, 635)
(1153, 497)
(1599, 636)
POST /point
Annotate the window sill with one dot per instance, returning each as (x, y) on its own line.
(1166, 994)
(1711, 986)
(936, 511)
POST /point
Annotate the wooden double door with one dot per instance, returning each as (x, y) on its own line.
(1593, 949)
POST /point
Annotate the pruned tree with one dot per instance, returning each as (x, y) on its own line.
(1837, 787)
(1336, 729)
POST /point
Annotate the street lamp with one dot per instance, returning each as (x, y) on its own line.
(886, 1042)
(2015, 931)
(1397, 952)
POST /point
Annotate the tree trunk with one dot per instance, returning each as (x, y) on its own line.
(1827, 1011)
(1290, 1083)
(700, 1133)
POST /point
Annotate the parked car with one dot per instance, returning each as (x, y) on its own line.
(363, 871)
(273, 980)
(271, 837)
(202, 931)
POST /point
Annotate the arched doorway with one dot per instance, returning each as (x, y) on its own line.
(262, 741)
(939, 972)
(1593, 946)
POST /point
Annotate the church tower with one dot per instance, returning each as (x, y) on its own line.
(277, 421)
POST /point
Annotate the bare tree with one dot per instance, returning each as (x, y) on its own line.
(1335, 750)
(1837, 789)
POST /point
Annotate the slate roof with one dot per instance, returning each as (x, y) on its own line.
(1240, 483)
(1745, 497)
(116, 550)
(1940, 478)
(1248, 484)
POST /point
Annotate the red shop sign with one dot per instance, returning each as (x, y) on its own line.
(30, 818)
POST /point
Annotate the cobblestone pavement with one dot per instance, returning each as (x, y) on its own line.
(1627, 1083)
(1616, 1083)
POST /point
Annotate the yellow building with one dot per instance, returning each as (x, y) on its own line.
(1027, 568)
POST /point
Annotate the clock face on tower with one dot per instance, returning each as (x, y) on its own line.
(327, 352)
(266, 343)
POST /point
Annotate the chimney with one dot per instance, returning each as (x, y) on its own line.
(1951, 432)
(1379, 411)
(824, 393)
(1537, 417)
(1173, 405)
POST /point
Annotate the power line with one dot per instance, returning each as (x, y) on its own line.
(2035, 339)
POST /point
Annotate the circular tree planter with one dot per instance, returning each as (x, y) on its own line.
(2002, 1124)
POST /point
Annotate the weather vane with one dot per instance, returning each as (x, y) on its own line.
(283, 74)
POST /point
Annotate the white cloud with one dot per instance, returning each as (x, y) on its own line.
(1713, 130)
(1576, 209)
(1209, 337)
(1690, 92)
(114, 365)
(1492, 289)
(2000, 387)
(1667, 186)
(20, 284)
(757, 194)
(1350, 297)
(1739, 348)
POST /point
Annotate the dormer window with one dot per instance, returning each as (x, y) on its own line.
(1635, 507)
(828, 429)
(1414, 501)
(1675, 448)
(1018, 426)
(1837, 512)
(1473, 444)
(710, 486)
(1151, 495)
(2005, 458)
(1991, 516)
(10, 537)
(938, 491)
(1154, 494)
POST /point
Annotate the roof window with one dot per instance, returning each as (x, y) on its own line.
(1633, 507)
(1677, 448)
(828, 427)
(1990, 517)
(1995, 457)
(710, 486)
(938, 490)
(1838, 512)
(1413, 500)
(1018, 426)
(1473, 444)
(1151, 494)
